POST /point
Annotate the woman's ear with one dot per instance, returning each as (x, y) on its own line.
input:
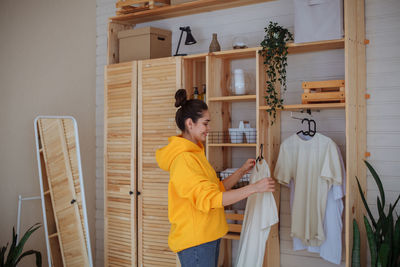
(189, 124)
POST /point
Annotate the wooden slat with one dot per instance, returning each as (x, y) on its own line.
(233, 216)
(323, 84)
(236, 228)
(234, 236)
(158, 81)
(120, 91)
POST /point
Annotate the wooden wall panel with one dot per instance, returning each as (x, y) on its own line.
(120, 165)
(158, 81)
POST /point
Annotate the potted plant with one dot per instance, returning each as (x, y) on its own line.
(274, 52)
(384, 233)
(15, 252)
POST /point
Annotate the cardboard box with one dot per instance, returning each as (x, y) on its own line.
(144, 43)
(318, 20)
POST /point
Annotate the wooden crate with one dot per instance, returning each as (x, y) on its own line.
(132, 6)
(331, 91)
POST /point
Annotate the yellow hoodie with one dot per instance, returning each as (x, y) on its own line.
(195, 208)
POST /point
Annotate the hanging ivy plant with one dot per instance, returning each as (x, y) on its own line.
(274, 52)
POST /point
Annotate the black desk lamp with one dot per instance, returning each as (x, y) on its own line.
(189, 39)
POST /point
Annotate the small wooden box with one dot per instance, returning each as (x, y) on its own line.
(132, 6)
(331, 91)
(144, 43)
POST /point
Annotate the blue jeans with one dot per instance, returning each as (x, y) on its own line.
(204, 255)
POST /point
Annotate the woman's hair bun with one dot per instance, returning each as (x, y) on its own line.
(180, 97)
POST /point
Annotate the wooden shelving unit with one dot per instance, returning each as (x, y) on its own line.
(209, 68)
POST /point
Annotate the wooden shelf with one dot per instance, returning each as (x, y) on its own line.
(196, 56)
(292, 49)
(315, 46)
(237, 53)
(236, 145)
(183, 9)
(233, 98)
(310, 106)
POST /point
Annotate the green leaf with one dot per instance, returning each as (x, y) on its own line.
(365, 204)
(30, 252)
(371, 242)
(355, 257)
(3, 255)
(394, 205)
(12, 251)
(23, 240)
(396, 243)
(384, 254)
(380, 208)
(377, 181)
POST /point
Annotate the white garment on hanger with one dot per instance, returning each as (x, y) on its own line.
(261, 213)
(314, 166)
(331, 249)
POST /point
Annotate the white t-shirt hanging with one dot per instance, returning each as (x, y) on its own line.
(331, 249)
(314, 166)
(261, 213)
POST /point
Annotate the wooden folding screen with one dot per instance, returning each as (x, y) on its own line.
(158, 80)
(120, 164)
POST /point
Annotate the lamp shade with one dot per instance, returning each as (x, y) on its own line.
(189, 37)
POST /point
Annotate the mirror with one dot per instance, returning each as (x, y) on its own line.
(62, 192)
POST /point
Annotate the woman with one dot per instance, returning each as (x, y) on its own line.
(196, 197)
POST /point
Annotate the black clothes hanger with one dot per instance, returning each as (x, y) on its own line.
(260, 155)
(311, 130)
(302, 122)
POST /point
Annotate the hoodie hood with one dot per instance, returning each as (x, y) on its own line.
(177, 145)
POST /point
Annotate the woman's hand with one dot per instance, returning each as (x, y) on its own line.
(248, 165)
(265, 185)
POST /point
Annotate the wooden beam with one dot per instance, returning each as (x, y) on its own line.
(270, 137)
(355, 76)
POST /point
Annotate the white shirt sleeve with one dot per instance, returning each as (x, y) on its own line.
(283, 168)
(331, 169)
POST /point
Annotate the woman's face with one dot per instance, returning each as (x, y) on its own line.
(199, 130)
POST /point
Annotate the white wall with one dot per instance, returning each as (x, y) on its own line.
(383, 65)
(47, 66)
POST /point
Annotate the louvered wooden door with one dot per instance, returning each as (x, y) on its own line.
(158, 80)
(59, 152)
(120, 237)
